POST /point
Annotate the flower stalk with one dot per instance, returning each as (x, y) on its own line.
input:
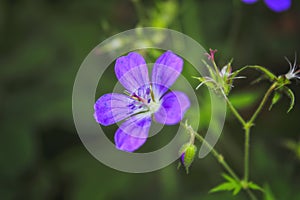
(221, 82)
(214, 152)
(219, 157)
(247, 126)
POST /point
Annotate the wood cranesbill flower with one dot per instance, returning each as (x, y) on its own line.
(144, 100)
(275, 5)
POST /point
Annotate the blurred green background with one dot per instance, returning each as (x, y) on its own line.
(42, 46)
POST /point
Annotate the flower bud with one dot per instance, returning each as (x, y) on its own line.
(188, 152)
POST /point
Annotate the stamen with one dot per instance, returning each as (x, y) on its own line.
(152, 94)
(136, 97)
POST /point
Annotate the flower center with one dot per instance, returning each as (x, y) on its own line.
(153, 107)
(147, 101)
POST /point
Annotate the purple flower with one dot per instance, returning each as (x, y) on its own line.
(144, 100)
(275, 5)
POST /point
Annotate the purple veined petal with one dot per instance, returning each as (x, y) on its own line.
(166, 70)
(249, 1)
(278, 5)
(132, 71)
(114, 107)
(173, 106)
(133, 133)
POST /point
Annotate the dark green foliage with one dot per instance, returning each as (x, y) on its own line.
(42, 46)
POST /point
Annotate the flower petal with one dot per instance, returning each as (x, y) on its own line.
(166, 70)
(114, 107)
(132, 71)
(249, 1)
(133, 133)
(278, 5)
(173, 106)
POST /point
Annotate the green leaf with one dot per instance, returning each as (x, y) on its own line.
(243, 99)
(227, 186)
(237, 189)
(230, 185)
(229, 178)
(275, 99)
(291, 95)
(254, 186)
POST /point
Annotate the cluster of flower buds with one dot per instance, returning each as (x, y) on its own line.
(218, 80)
(221, 81)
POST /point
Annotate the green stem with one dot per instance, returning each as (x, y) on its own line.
(247, 138)
(218, 156)
(246, 158)
(262, 103)
(247, 127)
(235, 112)
(214, 152)
(251, 195)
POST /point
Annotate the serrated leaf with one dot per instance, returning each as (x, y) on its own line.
(227, 186)
(254, 186)
(237, 190)
(291, 95)
(275, 99)
(230, 185)
(229, 178)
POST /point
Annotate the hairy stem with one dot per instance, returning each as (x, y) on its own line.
(247, 127)
(235, 112)
(218, 156)
(246, 157)
(262, 103)
(214, 152)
